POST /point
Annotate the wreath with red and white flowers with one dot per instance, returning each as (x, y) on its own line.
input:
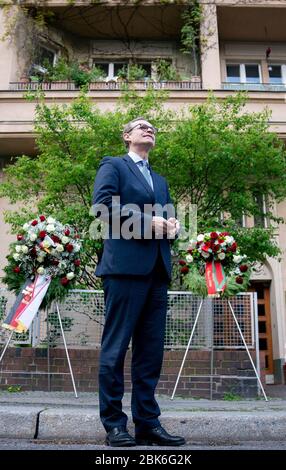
(48, 248)
(213, 265)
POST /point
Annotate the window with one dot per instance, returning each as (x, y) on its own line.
(243, 73)
(241, 221)
(252, 73)
(118, 66)
(260, 218)
(104, 66)
(111, 69)
(45, 55)
(233, 73)
(43, 58)
(147, 66)
(275, 74)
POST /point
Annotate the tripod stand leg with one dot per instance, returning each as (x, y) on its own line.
(6, 345)
(187, 349)
(246, 347)
(67, 353)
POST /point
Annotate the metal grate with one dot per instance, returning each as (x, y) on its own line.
(82, 315)
(6, 301)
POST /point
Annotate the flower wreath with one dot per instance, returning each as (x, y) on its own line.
(43, 264)
(214, 266)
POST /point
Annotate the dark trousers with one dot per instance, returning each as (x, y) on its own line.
(135, 309)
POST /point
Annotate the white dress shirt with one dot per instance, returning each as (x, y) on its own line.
(136, 158)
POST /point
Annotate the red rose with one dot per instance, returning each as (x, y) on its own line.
(42, 218)
(64, 281)
(55, 262)
(220, 240)
(33, 252)
(17, 269)
(69, 247)
(184, 270)
(216, 248)
(224, 234)
(55, 239)
(239, 280)
(35, 222)
(42, 234)
(182, 262)
(67, 232)
(19, 237)
(214, 235)
(77, 262)
(190, 250)
(233, 247)
(243, 268)
(206, 245)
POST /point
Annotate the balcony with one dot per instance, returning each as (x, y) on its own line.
(268, 87)
(192, 84)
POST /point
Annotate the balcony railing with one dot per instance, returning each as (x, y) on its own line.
(254, 86)
(193, 84)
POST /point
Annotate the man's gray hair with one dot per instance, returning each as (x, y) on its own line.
(127, 128)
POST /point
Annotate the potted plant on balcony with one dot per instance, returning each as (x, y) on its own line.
(80, 74)
(131, 73)
(166, 72)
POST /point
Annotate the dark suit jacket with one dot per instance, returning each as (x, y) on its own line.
(120, 176)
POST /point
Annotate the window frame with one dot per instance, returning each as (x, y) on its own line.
(283, 72)
(242, 72)
(125, 61)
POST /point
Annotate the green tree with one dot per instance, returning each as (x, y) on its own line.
(71, 141)
(222, 158)
(214, 155)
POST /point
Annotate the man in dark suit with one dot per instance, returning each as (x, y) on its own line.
(136, 270)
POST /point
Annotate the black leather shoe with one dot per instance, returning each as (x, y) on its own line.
(158, 436)
(119, 437)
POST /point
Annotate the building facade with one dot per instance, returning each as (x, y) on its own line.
(242, 48)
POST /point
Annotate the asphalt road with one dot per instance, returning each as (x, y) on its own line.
(26, 444)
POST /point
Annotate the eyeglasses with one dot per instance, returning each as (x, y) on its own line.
(145, 128)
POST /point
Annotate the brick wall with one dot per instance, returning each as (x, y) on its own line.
(85, 367)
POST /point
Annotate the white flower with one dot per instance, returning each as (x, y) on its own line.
(205, 254)
(40, 270)
(51, 220)
(65, 240)
(189, 259)
(18, 248)
(237, 258)
(59, 248)
(33, 236)
(51, 228)
(46, 243)
(229, 239)
(76, 248)
(193, 244)
(16, 256)
(221, 255)
(200, 237)
(70, 276)
(40, 259)
(25, 249)
(26, 227)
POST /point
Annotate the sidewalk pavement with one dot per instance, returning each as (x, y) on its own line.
(61, 416)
